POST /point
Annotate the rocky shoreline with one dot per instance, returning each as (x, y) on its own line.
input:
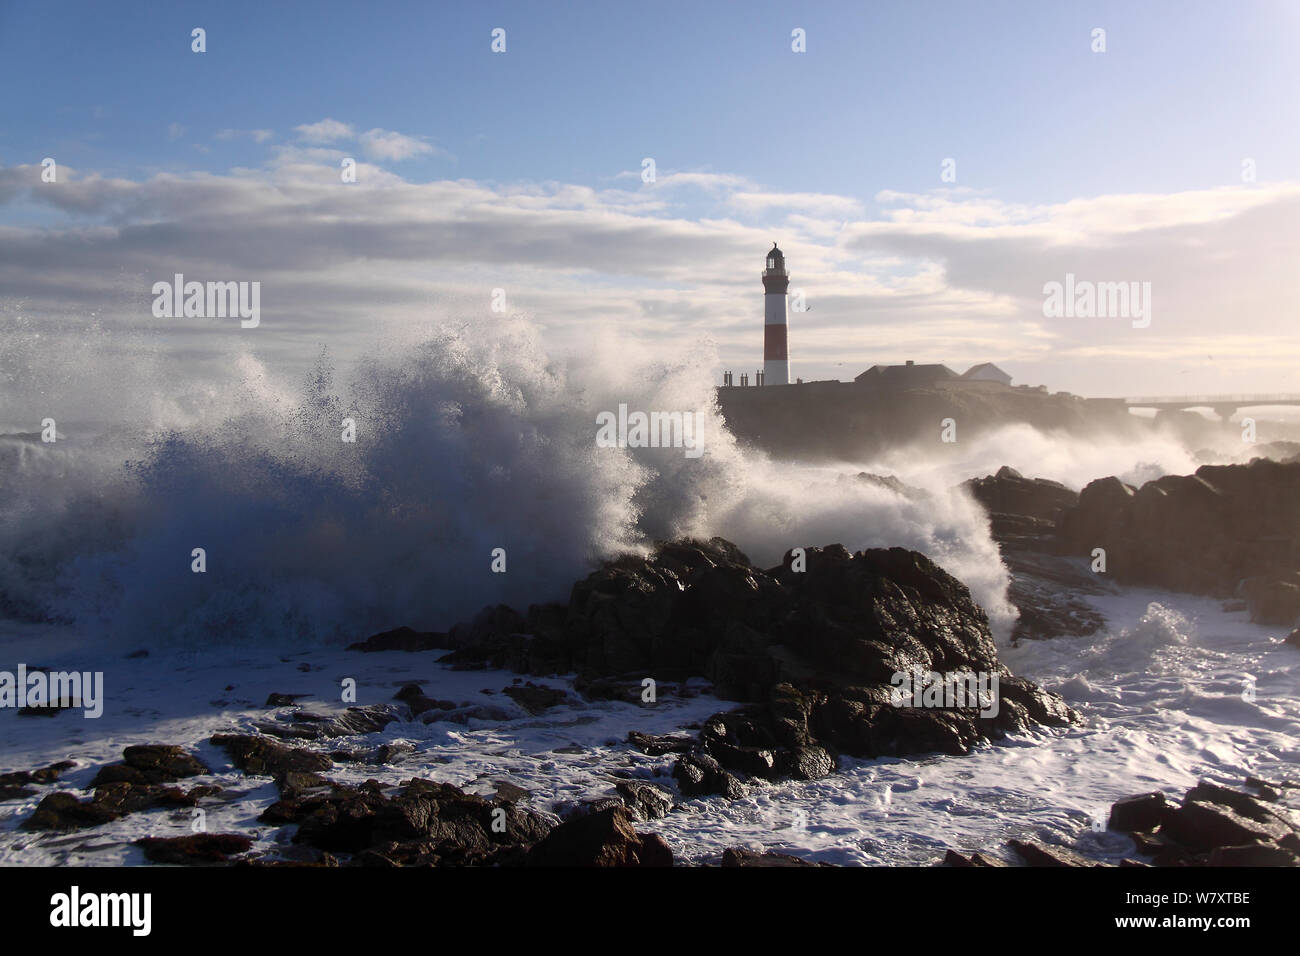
(811, 651)
(1227, 531)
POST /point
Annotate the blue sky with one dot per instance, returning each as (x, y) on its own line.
(885, 91)
(1120, 161)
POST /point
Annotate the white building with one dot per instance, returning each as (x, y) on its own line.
(986, 372)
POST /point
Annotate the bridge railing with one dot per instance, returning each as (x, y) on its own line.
(1262, 399)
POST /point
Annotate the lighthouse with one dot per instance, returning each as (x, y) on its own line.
(776, 355)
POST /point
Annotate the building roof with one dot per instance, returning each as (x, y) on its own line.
(983, 365)
(906, 373)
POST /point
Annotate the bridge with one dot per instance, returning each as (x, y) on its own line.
(1225, 406)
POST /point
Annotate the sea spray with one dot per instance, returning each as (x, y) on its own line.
(470, 440)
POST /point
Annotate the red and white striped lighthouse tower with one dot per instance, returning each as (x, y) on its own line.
(776, 354)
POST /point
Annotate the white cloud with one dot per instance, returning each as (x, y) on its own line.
(387, 144)
(324, 131)
(951, 276)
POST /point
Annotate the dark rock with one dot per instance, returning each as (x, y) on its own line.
(604, 838)
(402, 639)
(1138, 813)
(420, 705)
(644, 801)
(1253, 808)
(1204, 826)
(161, 763)
(1293, 638)
(1010, 493)
(283, 700)
(698, 775)
(534, 698)
(15, 784)
(294, 783)
(813, 650)
(409, 691)
(658, 746)
(63, 811)
(572, 809)
(389, 753)
(1273, 599)
(125, 797)
(1200, 533)
(1037, 855)
(304, 725)
(1254, 854)
(953, 858)
(196, 848)
(738, 856)
(510, 792)
(423, 824)
(260, 755)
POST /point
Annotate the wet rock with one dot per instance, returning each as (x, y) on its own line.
(627, 689)
(124, 797)
(63, 811)
(953, 858)
(510, 792)
(1254, 854)
(196, 848)
(813, 650)
(295, 783)
(1200, 533)
(1035, 854)
(1293, 638)
(656, 746)
(1010, 493)
(463, 715)
(304, 725)
(644, 801)
(150, 764)
(422, 823)
(392, 752)
(409, 691)
(284, 700)
(403, 639)
(1253, 808)
(738, 856)
(1204, 826)
(572, 809)
(1142, 812)
(261, 755)
(15, 785)
(604, 838)
(1274, 599)
(699, 775)
(534, 698)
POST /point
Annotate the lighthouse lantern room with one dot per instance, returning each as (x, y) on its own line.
(776, 356)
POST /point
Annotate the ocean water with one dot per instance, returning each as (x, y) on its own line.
(471, 442)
